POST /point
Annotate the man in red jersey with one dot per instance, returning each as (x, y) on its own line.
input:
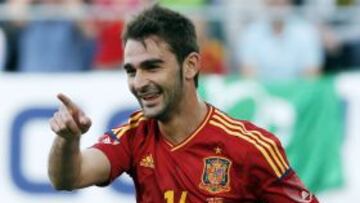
(177, 148)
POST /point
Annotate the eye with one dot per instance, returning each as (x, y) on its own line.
(131, 71)
(152, 67)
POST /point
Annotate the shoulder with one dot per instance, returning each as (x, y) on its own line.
(239, 128)
(261, 147)
(136, 121)
(244, 132)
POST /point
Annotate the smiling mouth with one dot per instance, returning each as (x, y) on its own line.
(150, 97)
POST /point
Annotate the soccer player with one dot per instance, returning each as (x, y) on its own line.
(177, 148)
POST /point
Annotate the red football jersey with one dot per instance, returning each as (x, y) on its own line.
(223, 160)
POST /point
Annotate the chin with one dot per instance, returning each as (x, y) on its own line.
(151, 112)
(155, 113)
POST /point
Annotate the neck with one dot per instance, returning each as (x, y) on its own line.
(185, 120)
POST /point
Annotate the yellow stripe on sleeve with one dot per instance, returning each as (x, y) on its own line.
(257, 139)
(260, 148)
(135, 117)
(127, 127)
(282, 163)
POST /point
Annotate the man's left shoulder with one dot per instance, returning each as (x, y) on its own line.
(231, 124)
(256, 129)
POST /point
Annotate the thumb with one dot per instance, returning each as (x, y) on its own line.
(84, 123)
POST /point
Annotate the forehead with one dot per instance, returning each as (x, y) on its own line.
(137, 51)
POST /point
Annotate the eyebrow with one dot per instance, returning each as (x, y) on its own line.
(151, 62)
(145, 63)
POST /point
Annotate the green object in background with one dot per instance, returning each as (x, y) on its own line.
(306, 115)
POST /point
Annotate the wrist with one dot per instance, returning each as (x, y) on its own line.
(69, 140)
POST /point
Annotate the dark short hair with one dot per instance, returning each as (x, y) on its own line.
(172, 27)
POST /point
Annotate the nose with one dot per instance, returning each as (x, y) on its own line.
(140, 80)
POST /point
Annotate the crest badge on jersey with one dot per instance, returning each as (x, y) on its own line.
(216, 175)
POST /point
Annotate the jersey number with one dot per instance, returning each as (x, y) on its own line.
(170, 194)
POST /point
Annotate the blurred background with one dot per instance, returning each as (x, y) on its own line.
(290, 66)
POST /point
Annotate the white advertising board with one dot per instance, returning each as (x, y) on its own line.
(27, 103)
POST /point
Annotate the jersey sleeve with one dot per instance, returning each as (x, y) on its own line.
(275, 180)
(117, 151)
(287, 189)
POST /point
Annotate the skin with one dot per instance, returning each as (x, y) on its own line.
(165, 90)
(154, 79)
(69, 168)
(158, 96)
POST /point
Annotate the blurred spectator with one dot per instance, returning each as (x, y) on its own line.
(210, 35)
(280, 46)
(50, 45)
(213, 45)
(2, 50)
(213, 56)
(108, 49)
(11, 35)
(238, 13)
(340, 33)
(335, 52)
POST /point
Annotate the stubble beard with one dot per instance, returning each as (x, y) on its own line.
(170, 103)
(171, 98)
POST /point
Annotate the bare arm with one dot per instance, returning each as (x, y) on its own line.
(69, 168)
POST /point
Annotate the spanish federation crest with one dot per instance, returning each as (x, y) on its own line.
(216, 175)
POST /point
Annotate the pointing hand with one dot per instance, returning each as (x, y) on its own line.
(69, 121)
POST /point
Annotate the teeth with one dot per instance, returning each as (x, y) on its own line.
(149, 96)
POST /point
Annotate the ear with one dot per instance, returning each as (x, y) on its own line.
(191, 65)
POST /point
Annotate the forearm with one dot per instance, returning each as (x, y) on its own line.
(64, 163)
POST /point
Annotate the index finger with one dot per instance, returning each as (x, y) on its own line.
(70, 105)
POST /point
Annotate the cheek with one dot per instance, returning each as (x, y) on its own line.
(173, 81)
(131, 86)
